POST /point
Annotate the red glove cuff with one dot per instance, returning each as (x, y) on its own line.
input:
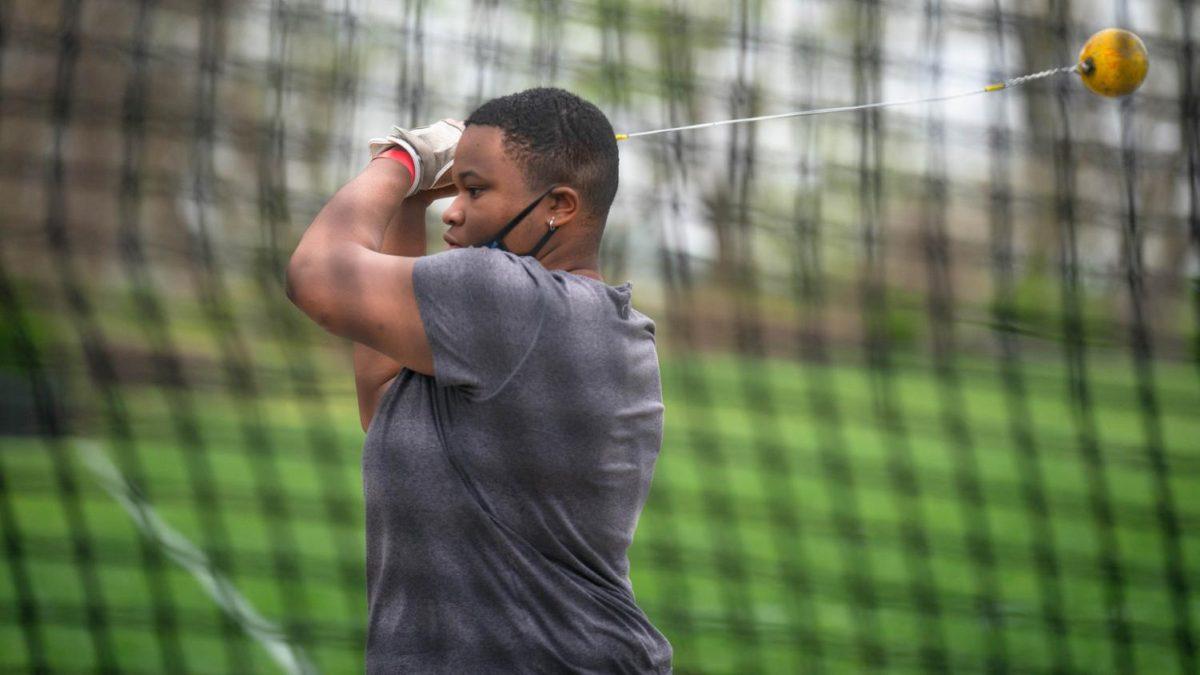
(400, 155)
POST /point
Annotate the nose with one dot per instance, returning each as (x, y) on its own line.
(453, 214)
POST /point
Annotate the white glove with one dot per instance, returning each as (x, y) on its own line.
(432, 149)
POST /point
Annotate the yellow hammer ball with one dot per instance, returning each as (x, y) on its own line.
(1113, 62)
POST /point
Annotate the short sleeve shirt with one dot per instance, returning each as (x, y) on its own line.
(503, 492)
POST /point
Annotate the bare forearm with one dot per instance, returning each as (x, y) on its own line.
(406, 236)
(357, 215)
(362, 213)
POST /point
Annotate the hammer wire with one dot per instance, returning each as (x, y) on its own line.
(864, 106)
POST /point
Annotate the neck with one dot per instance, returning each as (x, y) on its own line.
(587, 272)
(570, 261)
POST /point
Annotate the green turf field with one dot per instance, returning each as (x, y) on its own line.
(798, 512)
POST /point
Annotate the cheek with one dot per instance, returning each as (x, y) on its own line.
(476, 215)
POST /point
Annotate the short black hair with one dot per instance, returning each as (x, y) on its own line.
(557, 137)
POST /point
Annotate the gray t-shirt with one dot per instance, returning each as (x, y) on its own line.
(502, 494)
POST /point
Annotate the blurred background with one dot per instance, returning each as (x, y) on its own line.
(931, 373)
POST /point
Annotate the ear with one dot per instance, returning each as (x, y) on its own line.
(565, 205)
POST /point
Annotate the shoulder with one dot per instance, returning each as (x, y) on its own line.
(476, 262)
(477, 270)
(478, 279)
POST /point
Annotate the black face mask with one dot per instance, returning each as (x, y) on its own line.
(496, 241)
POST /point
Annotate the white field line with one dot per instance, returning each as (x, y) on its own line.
(289, 657)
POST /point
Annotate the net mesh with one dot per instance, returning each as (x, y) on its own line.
(931, 373)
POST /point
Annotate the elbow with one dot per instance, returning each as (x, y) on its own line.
(323, 286)
(307, 288)
(296, 283)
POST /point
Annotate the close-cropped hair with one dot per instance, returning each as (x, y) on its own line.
(557, 137)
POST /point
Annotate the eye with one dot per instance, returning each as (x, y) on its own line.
(474, 191)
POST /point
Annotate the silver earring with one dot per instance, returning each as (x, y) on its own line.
(551, 223)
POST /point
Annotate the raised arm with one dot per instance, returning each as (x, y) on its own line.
(352, 270)
(340, 279)
(405, 236)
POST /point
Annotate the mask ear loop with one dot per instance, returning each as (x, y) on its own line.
(497, 240)
(545, 237)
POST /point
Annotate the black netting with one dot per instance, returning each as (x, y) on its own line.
(931, 373)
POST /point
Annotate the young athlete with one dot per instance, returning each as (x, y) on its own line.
(511, 398)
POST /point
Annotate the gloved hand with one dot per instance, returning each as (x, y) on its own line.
(432, 150)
